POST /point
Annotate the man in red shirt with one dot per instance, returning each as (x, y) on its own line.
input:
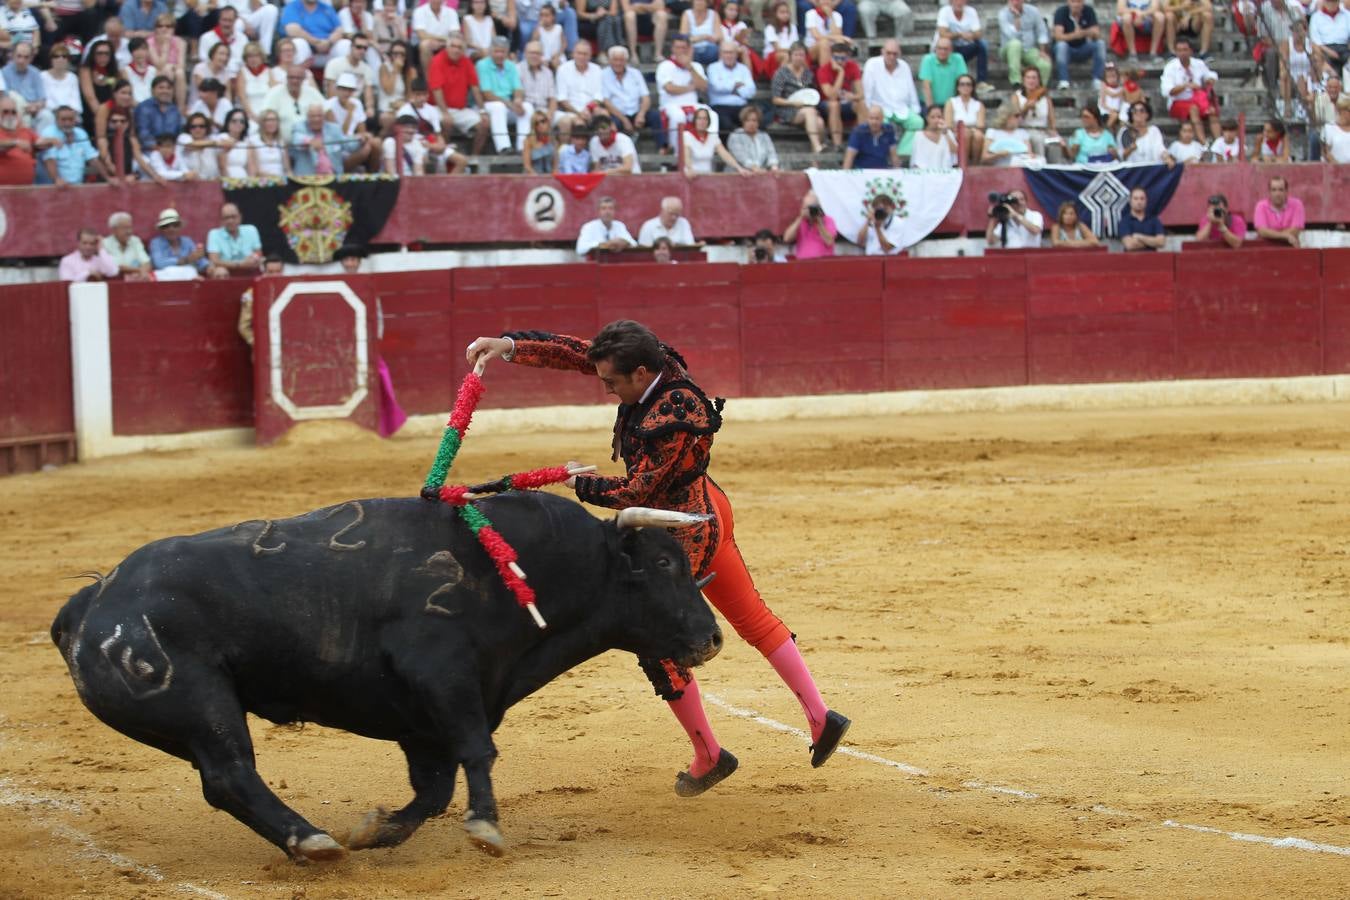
(18, 145)
(453, 80)
(841, 86)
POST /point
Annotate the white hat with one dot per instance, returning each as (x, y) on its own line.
(349, 80)
(168, 217)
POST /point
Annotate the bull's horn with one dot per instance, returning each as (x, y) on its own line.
(705, 580)
(643, 517)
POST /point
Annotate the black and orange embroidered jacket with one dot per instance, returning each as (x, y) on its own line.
(665, 441)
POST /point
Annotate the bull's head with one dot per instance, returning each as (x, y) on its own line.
(668, 617)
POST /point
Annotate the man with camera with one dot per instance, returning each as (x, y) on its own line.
(872, 236)
(812, 231)
(1221, 225)
(765, 248)
(1011, 225)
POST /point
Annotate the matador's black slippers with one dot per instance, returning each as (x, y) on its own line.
(836, 726)
(687, 785)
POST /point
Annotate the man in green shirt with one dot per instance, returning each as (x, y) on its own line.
(938, 73)
(503, 96)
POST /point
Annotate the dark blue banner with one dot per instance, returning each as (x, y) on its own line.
(1102, 193)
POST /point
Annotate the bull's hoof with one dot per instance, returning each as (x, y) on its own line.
(687, 785)
(485, 836)
(366, 834)
(319, 848)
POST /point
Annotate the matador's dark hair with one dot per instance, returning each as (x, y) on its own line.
(628, 345)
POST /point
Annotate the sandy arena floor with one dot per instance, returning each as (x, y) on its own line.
(1132, 621)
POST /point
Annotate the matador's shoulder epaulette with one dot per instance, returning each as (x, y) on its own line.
(681, 406)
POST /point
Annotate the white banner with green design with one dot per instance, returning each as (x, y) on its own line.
(922, 197)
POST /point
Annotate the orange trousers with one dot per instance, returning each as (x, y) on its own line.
(733, 591)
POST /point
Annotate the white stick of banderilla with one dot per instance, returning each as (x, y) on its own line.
(530, 607)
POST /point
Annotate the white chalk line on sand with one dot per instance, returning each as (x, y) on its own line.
(1284, 843)
(88, 847)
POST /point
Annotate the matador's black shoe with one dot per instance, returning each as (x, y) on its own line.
(836, 726)
(687, 785)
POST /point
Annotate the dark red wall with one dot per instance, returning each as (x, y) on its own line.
(37, 415)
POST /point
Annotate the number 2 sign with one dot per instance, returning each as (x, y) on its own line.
(544, 208)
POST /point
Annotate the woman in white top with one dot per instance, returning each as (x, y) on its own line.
(235, 150)
(549, 34)
(705, 31)
(1008, 144)
(779, 36)
(168, 54)
(1336, 135)
(824, 29)
(1140, 141)
(285, 54)
(1186, 149)
(391, 84)
(269, 157)
(1032, 102)
(197, 145)
(62, 85)
(965, 107)
(935, 146)
(700, 146)
(479, 29)
(1295, 71)
(216, 66)
(254, 80)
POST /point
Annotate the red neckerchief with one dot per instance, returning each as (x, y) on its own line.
(1275, 146)
(140, 71)
(220, 34)
(613, 136)
(701, 140)
(678, 64)
(167, 157)
(728, 25)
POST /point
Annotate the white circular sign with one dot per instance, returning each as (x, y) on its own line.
(544, 208)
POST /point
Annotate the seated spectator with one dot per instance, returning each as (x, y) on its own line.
(605, 232)
(701, 145)
(764, 248)
(346, 111)
(611, 150)
(212, 102)
(503, 96)
(580, 93)
(1279, 217)
(418, 153)
(1069, 230)
(823, 27)
(504, 14)
(60, 84)
(889, 83)
(960, 24)
(670, 224)
(319, 146)
(1295, 74)
(70, 154)
(19, 26)
(138, 17)
(1188, 85)
(645, 19)
(125, 249)
(1140, 141)
(1111, 98)
(901, 16)
(1037, 111)
(432, 24)
(540, 154)
(704, 29)
(1336, 135)
(199, 148)
(290, 100)
(1329, 31)
(269, 156)
(259, 20)
(118, 145)
(453, 81)
(1142, 17)
(1189, 17)
(88, 261)
(574, 158)
(1092, 143)
(841, 91)
(478, 30)
(779, 36)
(165, 163)
(313, 25)
(115, 36)
(626, 95)
(872, 236)
(938, 73)
(1228, 146)
(753, 148)
(19, 146)
(551, 37)
(353, 64)
(965, 108)
(737, 32)
(1078, 37)
(98, 75)
(1186, 149)
(812, 231)
(168, 54)
(662, 251)
(935, 146)
(540, 86)
(1320, 114)
(20, 77)
(228, 32)
(234, 246)
(795, 98)
(171, 248)
(158, 114)
(1137, 229)
(1007, 143)
(391, 83)
(731, 87)
(1222, 225)
(1273, 145)
(1018, 228)
(1025, 40)
(678, 82)
(235, 156)
(872, 144)
(214, 68)
(351, 257)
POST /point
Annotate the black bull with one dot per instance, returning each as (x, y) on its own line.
(382, 617)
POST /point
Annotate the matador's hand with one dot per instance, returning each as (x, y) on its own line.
(485, 348)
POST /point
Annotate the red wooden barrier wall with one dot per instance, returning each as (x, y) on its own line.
(37, 415)
(1336, 310)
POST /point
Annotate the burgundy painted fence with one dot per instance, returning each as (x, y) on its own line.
(37, 414)
(457, 210)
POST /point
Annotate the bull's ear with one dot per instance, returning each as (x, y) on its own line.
(627, 548)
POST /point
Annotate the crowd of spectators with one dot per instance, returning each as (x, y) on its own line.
(160, 91)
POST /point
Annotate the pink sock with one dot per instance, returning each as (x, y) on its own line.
(788, 663)
(689, 710)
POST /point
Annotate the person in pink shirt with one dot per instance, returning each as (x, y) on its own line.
(812, 231)
(1220, 224)
(1280, 217)
(87, 262)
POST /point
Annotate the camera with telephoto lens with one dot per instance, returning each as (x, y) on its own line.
(761, 254)
(1218, 207)
(814, 211)
(1001, 206)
